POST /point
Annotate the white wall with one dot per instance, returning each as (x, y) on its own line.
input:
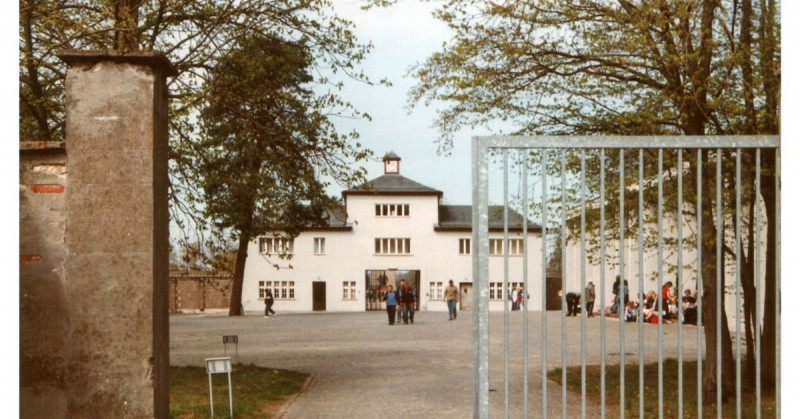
(349, 254)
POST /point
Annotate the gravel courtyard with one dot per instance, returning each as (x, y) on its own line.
(364, 368)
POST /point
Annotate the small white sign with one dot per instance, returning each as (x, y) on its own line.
(218, 365)
(215, 366)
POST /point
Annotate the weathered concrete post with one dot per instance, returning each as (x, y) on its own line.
(117, 237)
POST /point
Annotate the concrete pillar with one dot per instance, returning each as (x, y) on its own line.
(117, 234)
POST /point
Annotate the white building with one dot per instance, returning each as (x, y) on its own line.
(394, 229)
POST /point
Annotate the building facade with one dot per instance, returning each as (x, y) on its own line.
(394, 228)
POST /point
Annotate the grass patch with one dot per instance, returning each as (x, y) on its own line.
(670, 386)
(257, 392)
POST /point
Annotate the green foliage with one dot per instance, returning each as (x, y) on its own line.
(596, 67)
(256, 390)
(194, 35)
(266, 142)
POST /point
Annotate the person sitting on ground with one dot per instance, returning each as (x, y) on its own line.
(650, 307)
(632, 311)
(689, 310)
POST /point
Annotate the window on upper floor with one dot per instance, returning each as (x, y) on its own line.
(319, 245)
(392, 210)
(392, 246)
(464, 246)
(515, 246)
(275, 245)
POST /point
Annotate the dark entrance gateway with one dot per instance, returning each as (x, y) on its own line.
(378, 279)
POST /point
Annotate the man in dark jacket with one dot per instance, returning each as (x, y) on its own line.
(407, 299)
(573, 303)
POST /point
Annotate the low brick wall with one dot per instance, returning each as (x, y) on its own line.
(198, 291)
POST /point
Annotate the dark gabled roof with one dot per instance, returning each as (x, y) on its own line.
(337, 220)
(459, 217)
(393, 185)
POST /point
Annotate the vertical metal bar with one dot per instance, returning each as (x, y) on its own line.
(679, 285)
(738, 282)
(480, 277)
(700, 291)
(211, 395)
(621, 283)
(640, 316)
(758, 283)
(661, 301)
(563, 283)
(603, 282)
(506, 288)
(230, 393)
(543, 337)
(583, 283)
(719, 283)
(525, 282)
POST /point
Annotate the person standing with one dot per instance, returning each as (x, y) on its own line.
(451, 296)
(513, 298)
(615, 306)
(391, 303)
(407, 299)
(268, 302)
(589, 297)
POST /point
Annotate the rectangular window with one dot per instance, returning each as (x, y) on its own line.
(495, 290)
(515, 246)
(464, 246)
(392, 210)
(275, 245)
(348, 290)
(393, 246)
(495, 247)
(319, 245)
(281, 290)
(436, 291)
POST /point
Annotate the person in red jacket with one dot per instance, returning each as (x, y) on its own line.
(407, 299)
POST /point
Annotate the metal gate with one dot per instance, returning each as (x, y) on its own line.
(560, 195)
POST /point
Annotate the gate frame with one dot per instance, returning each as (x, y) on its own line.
(481, 146)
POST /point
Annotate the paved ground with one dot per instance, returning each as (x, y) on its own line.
(364, 368)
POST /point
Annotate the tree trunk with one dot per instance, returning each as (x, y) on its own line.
(770, 74)
(127, 32)
(238, 273)
(768, 344)
(709, 296)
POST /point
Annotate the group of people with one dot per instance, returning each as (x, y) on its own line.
(406, 298)
(515, 296)
(672, 309)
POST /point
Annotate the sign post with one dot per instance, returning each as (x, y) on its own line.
(219, 366)
(226, 339)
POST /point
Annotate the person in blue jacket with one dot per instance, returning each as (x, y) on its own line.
(391, 303)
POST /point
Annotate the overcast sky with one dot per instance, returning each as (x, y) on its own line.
(403, 35)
